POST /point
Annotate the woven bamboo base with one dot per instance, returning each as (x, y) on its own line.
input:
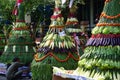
(59, 78)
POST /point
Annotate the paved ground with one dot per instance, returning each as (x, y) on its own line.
(4, 78)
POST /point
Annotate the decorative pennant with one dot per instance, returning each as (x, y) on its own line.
(15, 11)
(63, 1)
(71, 3)
(19, 2)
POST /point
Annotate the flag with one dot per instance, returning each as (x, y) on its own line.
(15, 10)
(19, 2)
(71, 3)
(63, 1)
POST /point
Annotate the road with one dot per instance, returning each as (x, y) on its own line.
(2, 77)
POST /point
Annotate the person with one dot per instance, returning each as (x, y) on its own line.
(76, 39)
(97, 18)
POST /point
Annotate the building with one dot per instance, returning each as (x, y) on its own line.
(90, 12)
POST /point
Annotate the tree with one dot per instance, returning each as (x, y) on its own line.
(5, 21)
(101, 58)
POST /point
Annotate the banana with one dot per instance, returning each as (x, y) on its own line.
(45, 37)
(114, 76)
(55, 36)
(50, 36)
(60, 44)
(52, 47)
(73, 44)
(66, 44)
(47, 43)
(41, 44)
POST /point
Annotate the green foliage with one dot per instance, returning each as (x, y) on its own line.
(33, 4)
(6, 7)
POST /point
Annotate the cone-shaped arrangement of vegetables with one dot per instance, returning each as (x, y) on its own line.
(101, 58)
(20, 43)
(73, 28)
(72, 24)
(56, 49)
